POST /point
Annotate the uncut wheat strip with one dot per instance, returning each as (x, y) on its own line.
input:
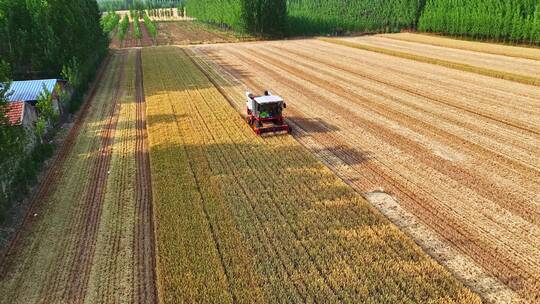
(266, 217)
(402, 129)
(329, 116)
(279, 213)
(353, 178)
(252, 222)
(40, 249)
(112, 267)
(223, 225)
(356, 76)
(270, 158)
(509, 64)
(259, 151)
(161, 137)
(476, 46)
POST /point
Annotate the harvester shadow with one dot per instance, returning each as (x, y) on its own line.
(312, 125)
(348, 155)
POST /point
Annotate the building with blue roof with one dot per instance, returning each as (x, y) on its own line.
(29, 90)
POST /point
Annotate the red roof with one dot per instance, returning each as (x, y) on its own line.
(15, 111)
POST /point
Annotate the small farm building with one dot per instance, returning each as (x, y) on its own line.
(23, 96)
(19, 113)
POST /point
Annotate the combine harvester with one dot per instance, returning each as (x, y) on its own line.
(264, 114)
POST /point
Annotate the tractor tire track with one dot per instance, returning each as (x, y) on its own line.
(144, 229)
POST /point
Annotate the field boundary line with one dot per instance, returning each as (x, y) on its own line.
(445, 63)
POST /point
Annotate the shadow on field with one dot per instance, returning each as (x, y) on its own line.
(313, 125)
(346, 154)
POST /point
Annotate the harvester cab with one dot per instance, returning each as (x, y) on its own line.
(265, 114)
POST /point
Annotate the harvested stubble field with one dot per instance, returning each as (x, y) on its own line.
(88, 235)
(245, 219)
(457, 152)
(514, 65)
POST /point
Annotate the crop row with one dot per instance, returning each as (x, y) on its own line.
(275, 224)
(110, 21)
(113, 274)
(137, 29)
(150, 26)
(124, 27)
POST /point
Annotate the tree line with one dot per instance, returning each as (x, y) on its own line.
(336, 16)
(502, 20)
(506, 20)
(120, 5)
(264, 17)
(42, 39)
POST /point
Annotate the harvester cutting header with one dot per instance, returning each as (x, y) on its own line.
(265, 114)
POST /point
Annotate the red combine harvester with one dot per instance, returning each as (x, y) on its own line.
(264, 114)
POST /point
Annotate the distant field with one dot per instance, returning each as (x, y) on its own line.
(189, 32)
(515, 65)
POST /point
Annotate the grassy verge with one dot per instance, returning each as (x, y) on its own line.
(449, 64)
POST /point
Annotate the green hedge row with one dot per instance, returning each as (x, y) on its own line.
(263, 17)
(514, 20)
(334, 16)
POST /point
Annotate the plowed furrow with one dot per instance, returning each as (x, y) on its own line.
(144, 241)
